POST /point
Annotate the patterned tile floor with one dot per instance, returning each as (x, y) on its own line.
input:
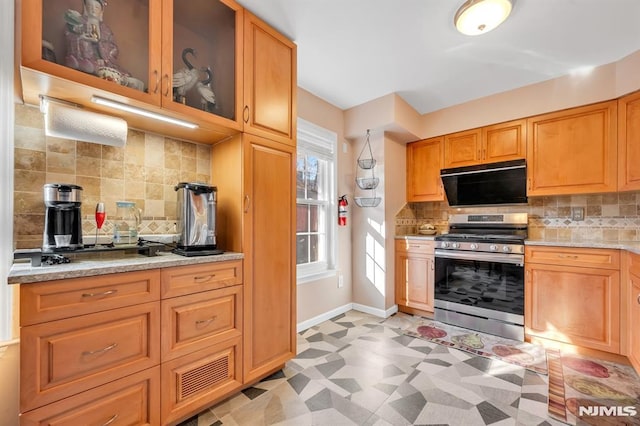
(357, 369)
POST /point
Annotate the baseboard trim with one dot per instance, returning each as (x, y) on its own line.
(304, 325)
(375, 311)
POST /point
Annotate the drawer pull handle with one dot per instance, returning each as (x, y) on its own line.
(99, 351)
(111, 420)
(568, 256)
(104, 293)
(204, 278)
(166, 92)
(207, 321)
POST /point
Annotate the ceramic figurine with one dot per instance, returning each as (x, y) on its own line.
(186, 78)
(207, 97)
(91, 46)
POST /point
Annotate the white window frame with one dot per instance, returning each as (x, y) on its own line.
(322, 143)
(6, 157)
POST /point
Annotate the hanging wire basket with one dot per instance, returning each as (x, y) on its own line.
(367, 183)
(367, 201)
(366, 162)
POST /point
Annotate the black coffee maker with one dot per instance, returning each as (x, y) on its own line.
(63, 219)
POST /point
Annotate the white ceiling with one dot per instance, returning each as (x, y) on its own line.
(353, 51)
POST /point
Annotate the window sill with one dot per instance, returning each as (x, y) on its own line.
(317, 276)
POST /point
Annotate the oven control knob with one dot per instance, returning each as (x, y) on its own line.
(506, 249)
(444, 244)
(473, 246)
(455, 245)
(493, 247)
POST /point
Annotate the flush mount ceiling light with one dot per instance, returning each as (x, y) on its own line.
(477, 17)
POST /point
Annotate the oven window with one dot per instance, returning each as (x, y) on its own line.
(489, 285)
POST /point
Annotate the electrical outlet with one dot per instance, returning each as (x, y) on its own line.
(340, 281)
(577, 213)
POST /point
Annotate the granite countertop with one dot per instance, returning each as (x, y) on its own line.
(23, 272)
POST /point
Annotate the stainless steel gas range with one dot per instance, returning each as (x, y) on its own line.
(479, 273)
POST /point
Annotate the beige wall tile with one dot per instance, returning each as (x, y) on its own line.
(89, 166)
(112, 169)
(63, 163)
(29, 116)
(28, 203)
(60, 146)
(153, 191)
(86, 149)
(26, 159)
(112, 153)
(29, 138)
(155, 150)
(29, 181)
(134, 149)
(154, 208)
(134, 189)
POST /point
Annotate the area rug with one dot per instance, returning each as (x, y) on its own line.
(587, 391)
(527, 355)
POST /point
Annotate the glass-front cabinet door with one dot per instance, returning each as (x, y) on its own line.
(184, 55)
(112, 46)
(202, 59)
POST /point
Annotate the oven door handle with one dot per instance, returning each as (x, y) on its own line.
(514, 259)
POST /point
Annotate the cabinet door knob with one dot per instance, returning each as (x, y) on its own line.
(157, 74)
(245, 113)
(166, 92)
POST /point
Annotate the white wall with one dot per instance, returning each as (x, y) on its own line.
(319, 297)
(9, 355)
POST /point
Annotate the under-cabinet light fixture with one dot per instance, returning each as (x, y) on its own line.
(135, 110)
(477, 17)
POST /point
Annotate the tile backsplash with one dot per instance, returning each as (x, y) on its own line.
(145, 171)
(609, 217)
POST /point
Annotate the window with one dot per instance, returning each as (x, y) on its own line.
(316, 201)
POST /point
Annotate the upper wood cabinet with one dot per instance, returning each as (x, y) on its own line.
(573, 151)
(136, 55)
(424, 161)
(463, 148)
(490, 144)
(270, 82)
(629, 142)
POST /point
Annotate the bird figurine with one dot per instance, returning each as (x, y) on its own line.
(207, 97)
(186, 78)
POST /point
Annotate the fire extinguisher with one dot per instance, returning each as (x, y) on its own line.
(342, 210)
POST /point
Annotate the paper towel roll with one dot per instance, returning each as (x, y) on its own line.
(69, 122)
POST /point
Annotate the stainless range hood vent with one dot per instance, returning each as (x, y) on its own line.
(494, 184)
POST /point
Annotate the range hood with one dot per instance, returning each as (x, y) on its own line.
(486, 184)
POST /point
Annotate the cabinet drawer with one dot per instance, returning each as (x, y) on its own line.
(183, 280)
(59, 299)
(198, 380)
(62, 358)
(415, 245)
(133, 400)
(570, 256)
(196, 321)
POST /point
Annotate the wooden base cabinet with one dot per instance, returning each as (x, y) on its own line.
(173, 348)
(573, 296)
(632, 302)
(414, 275)
(133, 400)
